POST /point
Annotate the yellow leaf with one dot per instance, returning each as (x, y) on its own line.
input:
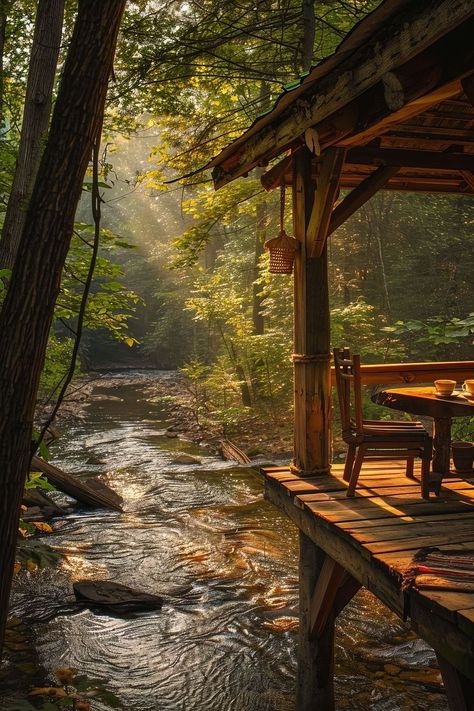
(16, 568)
(130, 342)
(45, 527)
(66, 674)
(31, 566)
(48, 691)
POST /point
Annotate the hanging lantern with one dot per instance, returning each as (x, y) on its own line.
(282, 249)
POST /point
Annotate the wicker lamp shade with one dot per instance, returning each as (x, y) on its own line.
(282, 248)
(282, 253)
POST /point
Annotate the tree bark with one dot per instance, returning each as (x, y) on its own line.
(34, 129)
(309, 32)
(4, 8)
(260, 237)
(27, 312)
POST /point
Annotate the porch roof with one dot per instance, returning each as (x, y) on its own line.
(398, 92)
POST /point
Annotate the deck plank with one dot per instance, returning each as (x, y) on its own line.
(376, 534)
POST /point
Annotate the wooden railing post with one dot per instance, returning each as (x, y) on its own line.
(312, 378)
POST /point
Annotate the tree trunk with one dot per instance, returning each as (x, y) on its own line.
(260, 237)
(25, 319)
(4, 8)
(309, 31)
(34, 129)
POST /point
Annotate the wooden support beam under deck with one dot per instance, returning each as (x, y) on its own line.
(331, 165)
(315, 680)
(459, 689)
(468, 177)
(333, 590)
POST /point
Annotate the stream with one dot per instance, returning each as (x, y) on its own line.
(225, 562)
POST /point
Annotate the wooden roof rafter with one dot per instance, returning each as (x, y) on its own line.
(413, 64)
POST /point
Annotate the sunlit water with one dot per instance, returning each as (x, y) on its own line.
(225, 562)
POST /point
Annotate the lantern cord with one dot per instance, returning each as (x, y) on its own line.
(282, 207)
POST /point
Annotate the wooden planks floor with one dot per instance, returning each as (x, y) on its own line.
(375, 535)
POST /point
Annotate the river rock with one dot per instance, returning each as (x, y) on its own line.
(94, 460)
(183, 458)
(114, 597)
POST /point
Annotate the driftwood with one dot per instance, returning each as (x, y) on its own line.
(230, 451)
(94, 494)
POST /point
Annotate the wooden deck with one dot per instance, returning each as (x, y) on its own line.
(375, 535)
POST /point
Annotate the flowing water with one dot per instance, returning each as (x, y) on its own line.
(225, 562)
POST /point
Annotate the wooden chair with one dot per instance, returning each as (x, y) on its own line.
(375, 439)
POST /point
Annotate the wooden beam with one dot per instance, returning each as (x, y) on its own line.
(322, 601)
(315, 677)
(386, 373)
(459, 689)
(343, 95)
(405, 158)
(468, 176)
(359, 196)
(371, 156)
(312, 387)
(468, 87)
(331, 164)
(273, 177)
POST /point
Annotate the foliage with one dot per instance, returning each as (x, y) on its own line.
(360, 327)
(32, 554)
(75, 691)
(436, 331)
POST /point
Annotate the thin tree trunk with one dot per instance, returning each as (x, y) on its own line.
(34, 129)
(25, 319)
(261, 214)
(309, 32)
(4, 8)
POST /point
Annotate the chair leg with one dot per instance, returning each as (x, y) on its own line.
(409, 469)
(351, 452)
(356, 471)
(425, 479)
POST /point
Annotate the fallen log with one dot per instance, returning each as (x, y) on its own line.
(230, 451)
(93, 496)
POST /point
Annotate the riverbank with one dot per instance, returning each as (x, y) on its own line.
(258, 436)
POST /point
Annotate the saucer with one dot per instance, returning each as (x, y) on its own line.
(454, 394)
(468, 396)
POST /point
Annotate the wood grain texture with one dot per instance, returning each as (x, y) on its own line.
(376, 535)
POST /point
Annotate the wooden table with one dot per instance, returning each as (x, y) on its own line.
(422, 401)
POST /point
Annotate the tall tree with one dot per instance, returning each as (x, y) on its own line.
(27, 312)
(36, 115)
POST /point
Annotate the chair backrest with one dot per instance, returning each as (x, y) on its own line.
(349, 389)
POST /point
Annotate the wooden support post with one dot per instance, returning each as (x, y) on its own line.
(459, 689)
(315, 682)
(332, 162)
(360, 195)
(312, 376)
